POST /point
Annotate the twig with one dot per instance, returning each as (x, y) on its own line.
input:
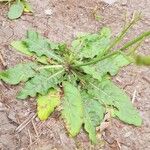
(2, 60)
(33, 143)
(25, 123)
(34, 127)
(134, 96)
(119, 145)
(146, 79)
(30, 137)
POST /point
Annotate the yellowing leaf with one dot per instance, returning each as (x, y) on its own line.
(72, 109)
(27, 7)
(47, 103)
(143, 60)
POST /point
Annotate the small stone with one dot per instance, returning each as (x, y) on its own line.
(37, 119)
(124, 3)
(147, 41)
(2, 107)
(110, 2)
(127, 134)
(48, 12)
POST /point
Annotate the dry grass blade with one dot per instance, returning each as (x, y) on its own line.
(25, 123)
(2, 60)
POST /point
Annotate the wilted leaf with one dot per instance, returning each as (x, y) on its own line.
(15, 10)
(41, 83)
(72, 109)
(111, 95)
(47, 103)
(21, 72)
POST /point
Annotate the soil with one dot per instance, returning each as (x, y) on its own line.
(65, 20)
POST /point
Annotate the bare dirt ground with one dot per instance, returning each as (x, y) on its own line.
(67, 19)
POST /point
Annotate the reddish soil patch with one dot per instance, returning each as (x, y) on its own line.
(67, 19)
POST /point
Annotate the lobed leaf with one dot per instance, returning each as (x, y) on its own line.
(90, 45)
(92, 71)
(41, 83)
(110, 95)
(47, 103)
(40, 46)
(21, 47)
(72, 108)
(93, 115)
(112, 65)
(21, 72)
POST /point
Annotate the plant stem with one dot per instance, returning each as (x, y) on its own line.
(50, 66)
(134, 41)
(124, 31)
(97, 59)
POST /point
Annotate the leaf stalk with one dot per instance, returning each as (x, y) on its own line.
(132, 42)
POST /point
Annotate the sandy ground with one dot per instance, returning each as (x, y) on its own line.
(68, 18)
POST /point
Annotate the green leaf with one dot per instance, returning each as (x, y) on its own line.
(40, 46)
(47, 103)
(92, 71)
(93, 115)
(41, 83)
(15, 10)
(21, 47)
(90, 45)
(72, 109)
(21, 72)
(110, 95)
(112, 65)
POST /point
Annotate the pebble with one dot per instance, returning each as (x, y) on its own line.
(2, 107)
(124, 2)
(110, 2)
(127, 134)
(48, 12)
